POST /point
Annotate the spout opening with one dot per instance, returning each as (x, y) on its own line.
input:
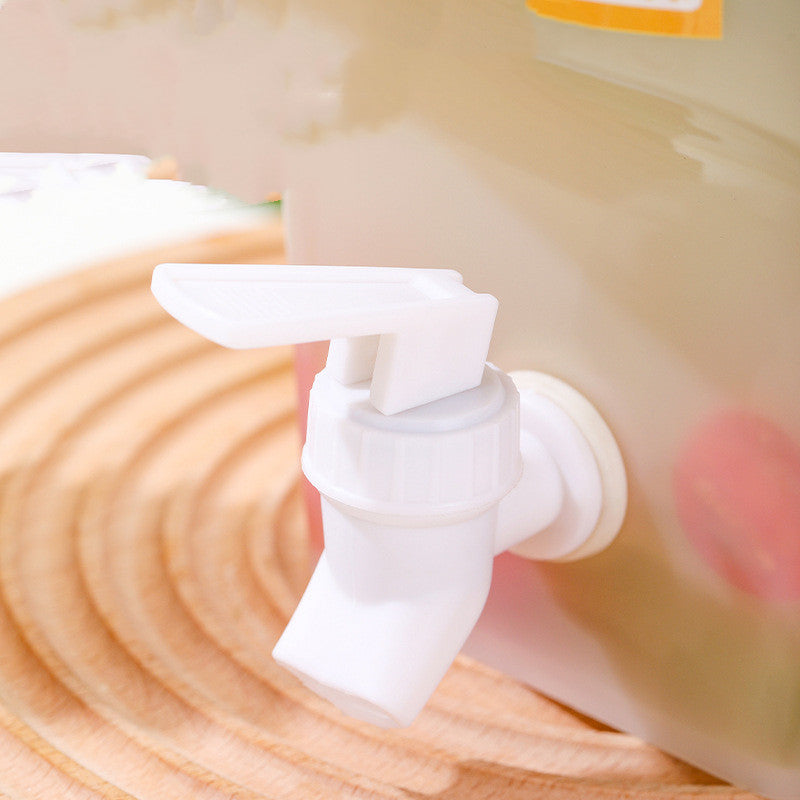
(348, 703)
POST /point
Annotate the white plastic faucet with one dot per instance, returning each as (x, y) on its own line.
(429, 462)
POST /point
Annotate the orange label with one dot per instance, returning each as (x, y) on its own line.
(693, 18)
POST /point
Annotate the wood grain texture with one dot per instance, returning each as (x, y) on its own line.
(152, 546)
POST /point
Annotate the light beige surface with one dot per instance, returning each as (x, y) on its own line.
(153, 546)
(158, 86)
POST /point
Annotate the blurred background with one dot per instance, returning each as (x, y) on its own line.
(145, 78)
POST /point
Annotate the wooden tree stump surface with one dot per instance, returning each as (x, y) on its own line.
(152, 547)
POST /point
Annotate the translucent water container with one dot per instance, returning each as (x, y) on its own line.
(634, 203)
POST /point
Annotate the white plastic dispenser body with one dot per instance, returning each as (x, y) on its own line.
(413, 442)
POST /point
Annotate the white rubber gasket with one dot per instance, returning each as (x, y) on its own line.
(594, 526)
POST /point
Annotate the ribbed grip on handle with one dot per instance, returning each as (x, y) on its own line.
(446, 458)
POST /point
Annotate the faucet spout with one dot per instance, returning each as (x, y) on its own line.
(387, 610)
(413, 443)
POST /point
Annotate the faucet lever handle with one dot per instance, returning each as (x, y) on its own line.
(419, 334)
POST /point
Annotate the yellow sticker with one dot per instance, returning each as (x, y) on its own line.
(700, 19)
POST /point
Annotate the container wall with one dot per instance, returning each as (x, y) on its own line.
(634, 204)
